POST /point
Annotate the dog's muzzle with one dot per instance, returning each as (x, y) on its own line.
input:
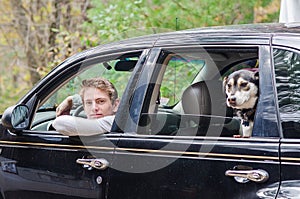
(231, 101)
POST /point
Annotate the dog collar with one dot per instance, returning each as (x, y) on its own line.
(246, 115)
(245, 122)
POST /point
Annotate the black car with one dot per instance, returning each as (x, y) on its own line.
(161, 144)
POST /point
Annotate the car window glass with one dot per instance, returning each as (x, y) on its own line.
(98, 70)
(118, 71)
(189, 98)
(179, 74)
(287, 67)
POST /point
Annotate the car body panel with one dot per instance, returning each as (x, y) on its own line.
(190, 168)
(45, 166)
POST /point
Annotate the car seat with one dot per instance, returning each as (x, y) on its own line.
(206, 112)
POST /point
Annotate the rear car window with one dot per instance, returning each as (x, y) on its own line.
(189, 99)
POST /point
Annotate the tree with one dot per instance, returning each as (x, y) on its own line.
(36, 36)
(44, 29)
(123, 19)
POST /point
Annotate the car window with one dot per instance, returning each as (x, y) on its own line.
(287, 68)
(179, 74)
(117, 71)
(105, 70)
(188, 99)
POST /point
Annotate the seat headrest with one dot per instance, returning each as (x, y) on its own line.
(204, 98)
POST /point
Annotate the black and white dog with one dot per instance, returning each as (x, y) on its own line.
(242, 91)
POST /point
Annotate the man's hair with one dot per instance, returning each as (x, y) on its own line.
(101, 84)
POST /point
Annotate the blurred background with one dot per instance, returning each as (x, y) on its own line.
(36, 35)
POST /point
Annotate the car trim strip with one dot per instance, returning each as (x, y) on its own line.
(284, 160)
(152, 151)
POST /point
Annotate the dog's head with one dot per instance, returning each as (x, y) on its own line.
(241, 88)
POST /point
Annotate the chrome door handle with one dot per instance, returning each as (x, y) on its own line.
(89, 164)
(244, 176)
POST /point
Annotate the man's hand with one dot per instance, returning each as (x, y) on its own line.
(65, 107)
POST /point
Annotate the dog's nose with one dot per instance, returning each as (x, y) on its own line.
(231, 100)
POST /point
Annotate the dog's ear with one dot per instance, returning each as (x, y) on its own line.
(256, 78)
(256, 75)
(224, 83)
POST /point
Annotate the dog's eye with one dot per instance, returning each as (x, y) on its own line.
(244, 84)
(228, 86)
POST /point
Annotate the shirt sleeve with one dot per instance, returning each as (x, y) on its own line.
(76, 126)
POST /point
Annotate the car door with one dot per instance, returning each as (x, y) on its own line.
(172, 154)
(42, 167)
(286, 66)
(37, 161)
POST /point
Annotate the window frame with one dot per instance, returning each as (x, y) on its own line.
(61, 75)
(261, 49)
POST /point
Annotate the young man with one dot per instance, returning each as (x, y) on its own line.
(100, 103)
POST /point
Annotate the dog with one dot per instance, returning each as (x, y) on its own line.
(242, 91)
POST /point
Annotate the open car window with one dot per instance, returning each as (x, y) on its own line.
(117, 70)
(188, 99)
(181, 71)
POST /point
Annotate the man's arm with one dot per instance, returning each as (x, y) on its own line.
(71, 102)
(76, 126)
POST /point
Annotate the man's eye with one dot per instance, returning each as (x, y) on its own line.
(88, 103)
(100, 101)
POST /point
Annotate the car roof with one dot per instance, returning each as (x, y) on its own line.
(258, 30)
(251, 28)
(241, 29)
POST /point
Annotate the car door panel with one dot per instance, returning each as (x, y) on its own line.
(46, 167)
(157, 168)
(290, 161)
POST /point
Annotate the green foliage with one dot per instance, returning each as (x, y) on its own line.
(112, 20)
(10, 92)
(178, 75)
(106, 21)
(123, 19)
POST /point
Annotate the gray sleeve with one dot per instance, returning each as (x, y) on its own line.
(75, 126)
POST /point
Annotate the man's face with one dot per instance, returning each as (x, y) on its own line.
(97, 103)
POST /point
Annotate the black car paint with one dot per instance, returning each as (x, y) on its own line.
(44, 165)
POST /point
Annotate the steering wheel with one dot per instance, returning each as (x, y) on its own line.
(78, 112)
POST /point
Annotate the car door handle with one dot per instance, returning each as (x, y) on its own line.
(89, 164)
(243, 176)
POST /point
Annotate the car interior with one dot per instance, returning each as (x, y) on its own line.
(200, 109)
(117, 70)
